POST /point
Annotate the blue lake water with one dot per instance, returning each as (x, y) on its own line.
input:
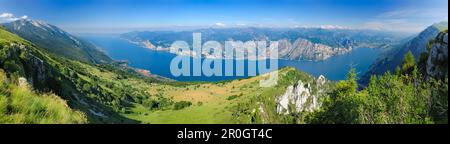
(334, 68)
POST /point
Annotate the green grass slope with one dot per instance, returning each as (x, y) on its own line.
(21, 105)
(50, 73)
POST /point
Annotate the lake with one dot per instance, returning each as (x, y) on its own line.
(157, 62)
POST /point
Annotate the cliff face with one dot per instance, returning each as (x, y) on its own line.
(437, 63)
(302, 97)
(303, 49)
(31, 65)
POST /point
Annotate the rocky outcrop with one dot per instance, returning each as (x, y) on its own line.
(34, 67)
(39, 74)
(321, 80)
(301, 97)
(437, 63)
(22, 82)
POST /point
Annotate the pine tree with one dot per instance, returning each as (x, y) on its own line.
(408, 63)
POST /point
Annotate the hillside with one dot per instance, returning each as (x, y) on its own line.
(393, 57)
(50, 73)
(237, 101)
(57, 41)
(20, 104)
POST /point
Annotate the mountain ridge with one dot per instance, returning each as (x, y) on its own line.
(392, 58)
(297, 44)
(56, 40)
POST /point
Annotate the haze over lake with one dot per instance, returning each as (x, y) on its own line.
(157, 62)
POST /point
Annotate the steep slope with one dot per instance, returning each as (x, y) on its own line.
(392, 58)
(50, 73)
(18, 103)
(437, 69)
(56, 40)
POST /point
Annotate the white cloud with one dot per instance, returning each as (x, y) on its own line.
(407, 20)
(241, 24)
(400, 25)
(328, 27)
(220, 24)
(8, 17)
(333, 27)
(415, 13)
(373, 25)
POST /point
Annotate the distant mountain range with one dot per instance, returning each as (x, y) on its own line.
(296, 44)
(393, 57)
(56, 40)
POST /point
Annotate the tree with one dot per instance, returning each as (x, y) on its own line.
(86, 87)
(344, 104)
(352, 80)
(408, 63)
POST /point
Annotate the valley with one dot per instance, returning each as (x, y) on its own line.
(114, 92)
(158, 62)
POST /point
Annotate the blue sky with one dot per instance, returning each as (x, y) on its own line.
(125, 15)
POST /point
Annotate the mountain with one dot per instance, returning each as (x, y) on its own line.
(297, 43)
(57, 41)
(393, 57)
(303, 49)
(39, 87)
(26, 64)
(19, 103)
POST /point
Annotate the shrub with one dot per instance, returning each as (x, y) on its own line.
(181, 105)
(232, 97)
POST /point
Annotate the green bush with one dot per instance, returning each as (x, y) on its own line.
(402, 98)
(232, 97)
(181, 105)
